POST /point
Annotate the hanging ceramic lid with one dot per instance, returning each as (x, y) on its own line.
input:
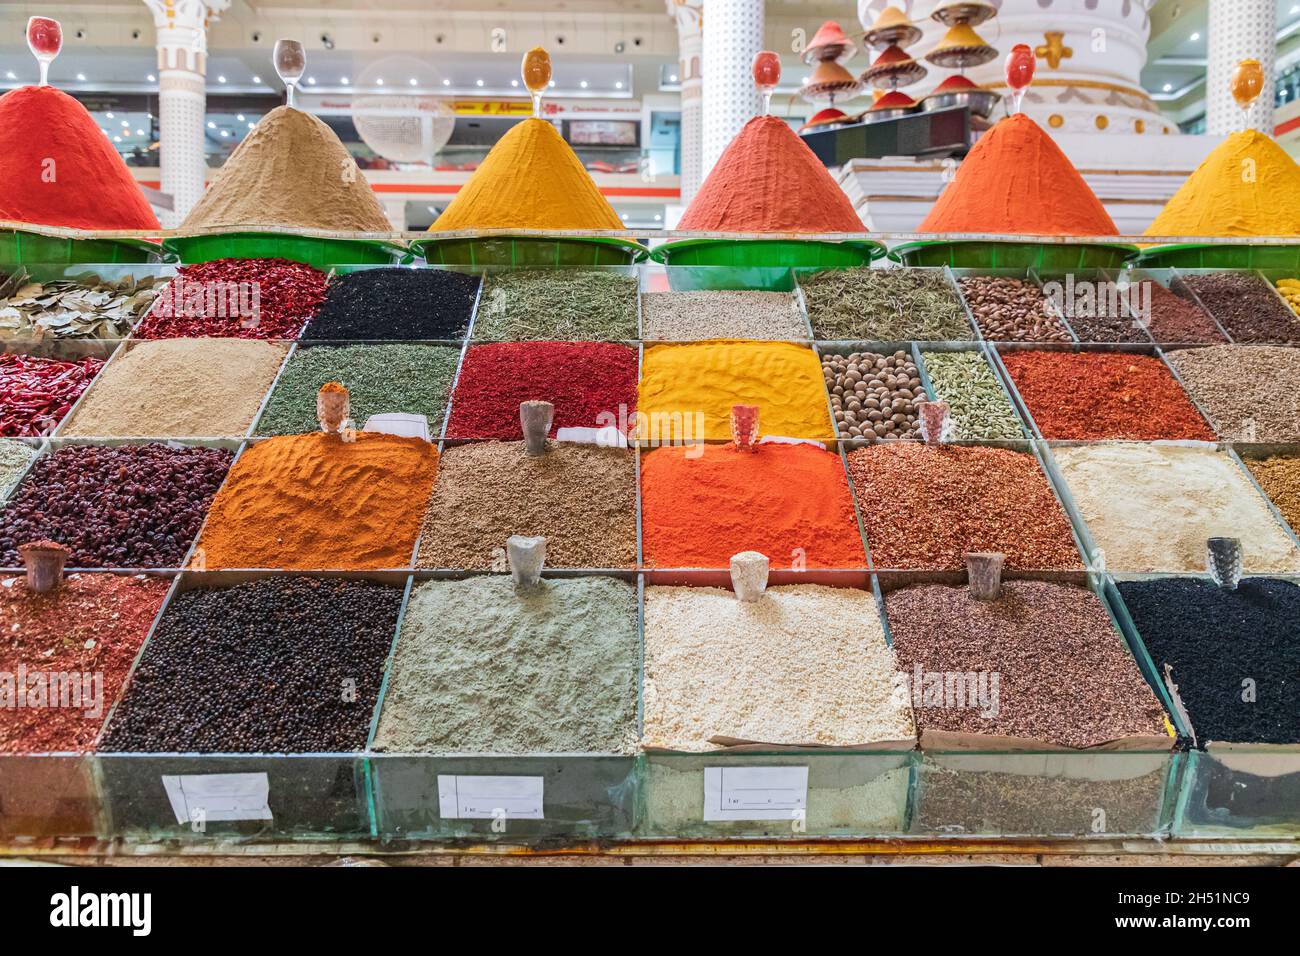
(961, 47)
(829, 43)
(973, 12)
(893, 67)
(829, 79)
(892, 27)
(824, 118)
(893, 100)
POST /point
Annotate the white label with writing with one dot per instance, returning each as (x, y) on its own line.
(462, 797)
(755, 793)
(218, 796)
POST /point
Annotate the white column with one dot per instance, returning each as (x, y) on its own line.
(733, 33)
(690, 54)
(182, 27)
(1238, 30)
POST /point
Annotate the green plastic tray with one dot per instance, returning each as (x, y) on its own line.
(1211, 256)
(524, 251)
(315, 251)
(757, 263)
(23, 248)
(972, 254)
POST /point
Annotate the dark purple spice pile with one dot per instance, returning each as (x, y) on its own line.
(127, 506)
(1174, 318)
(1247, 306)
(1224, 647)
(277, 665)
(1064, 674)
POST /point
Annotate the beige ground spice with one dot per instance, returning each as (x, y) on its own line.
(179, 388)
(290, 170)
(1279, 476)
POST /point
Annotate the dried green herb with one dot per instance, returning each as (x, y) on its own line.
(86, 306)
(884, 305)
(979, 408)
(564, 305)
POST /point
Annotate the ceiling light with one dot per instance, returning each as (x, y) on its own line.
(1195, 37)
(10, 75)
(478, 82)
(240, 117)
(211, 125)
(311, 81)
(225, 132)
(1296, 8)
(257, 79)
(658, 217)
(673, 78)
(1168, 87)
(414, 81)
(151, 78)
(512, 82)
(252, 125)
(379, 81)
(625, 217)
(110, 116)
(117, 139)
(446, 82)
(139, 132)
(221, 79)
(343, 80)
(618, 85)
(583, 84)
(81, 77)
(551, 84)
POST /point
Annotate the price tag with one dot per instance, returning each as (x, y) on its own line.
(755, 793)
(489, 798)
(196, 798)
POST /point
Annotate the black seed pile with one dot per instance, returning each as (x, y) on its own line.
(128, 506)
(396, 304)
(1225, 646)
(276, 665)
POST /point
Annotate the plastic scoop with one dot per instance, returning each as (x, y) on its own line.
(536, 71)
(332, 407)
(749, 575)
(984, 574)
(535, 419)
(1020, 73)
(767, 74)
(45, 40)
(744, 426)
(526, 556)
(1223, 561)
(290, 64)
(44, 561)
(935, 419)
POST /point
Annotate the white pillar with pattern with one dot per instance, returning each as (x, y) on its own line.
(733, 33)
(1240, 30)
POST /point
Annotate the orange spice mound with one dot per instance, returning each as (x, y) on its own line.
(1017, 180)
(789, 502)
(317, 501)
(768, 180)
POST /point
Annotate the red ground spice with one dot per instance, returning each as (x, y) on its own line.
(1104, 396)
(48, 634)
(582, 379)
(924, 507)
(216, 299)
(36, 393)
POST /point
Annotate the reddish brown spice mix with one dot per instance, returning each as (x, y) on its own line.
(1104, 396)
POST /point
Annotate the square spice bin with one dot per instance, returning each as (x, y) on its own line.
(73, 649)
(392, 303)
(76, 301)
(248, 712)
(511, 713)
(687, 390)
(591, 385)
(1245, 302)
(698, 303)
(1009, 305)
(1247, 392)
(1101, 306)
(966, 377)
(381, 377)
(560, 304)
(772, 748)
(178, 389)
(1149, 507)
(1275, 470)
(889, 304)
(121, 504)
(1045, 724)
(924, 507)
(1100, 393)
(318, 502)
(581, 497)
(1228, 658)
(803, 516)
(1170, 313)
(43, 383)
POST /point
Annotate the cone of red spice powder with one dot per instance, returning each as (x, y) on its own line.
(768, 180)
(59, 169)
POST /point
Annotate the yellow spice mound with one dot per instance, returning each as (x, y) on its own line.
(530, 179)
(1247, 186)
(680, 383)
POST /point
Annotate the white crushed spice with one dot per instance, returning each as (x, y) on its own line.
(805, 664)
(721, 314)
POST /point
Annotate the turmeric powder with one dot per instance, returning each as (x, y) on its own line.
(531, 179)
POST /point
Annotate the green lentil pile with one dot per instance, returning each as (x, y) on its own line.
(884, 305)
(380, 378)
(561, 305)
(979, 408)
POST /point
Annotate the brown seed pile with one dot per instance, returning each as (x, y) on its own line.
(1251, 393)
(1279, 476)
(1012, 310)
(924, 507)
(1174, 318)
(1064, 676)
(874, 395)
(582, 498)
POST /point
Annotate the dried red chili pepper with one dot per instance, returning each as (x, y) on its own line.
(35, 392)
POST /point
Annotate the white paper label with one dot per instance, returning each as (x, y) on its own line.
(197, 798)
(755, 793)
(489, 798)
